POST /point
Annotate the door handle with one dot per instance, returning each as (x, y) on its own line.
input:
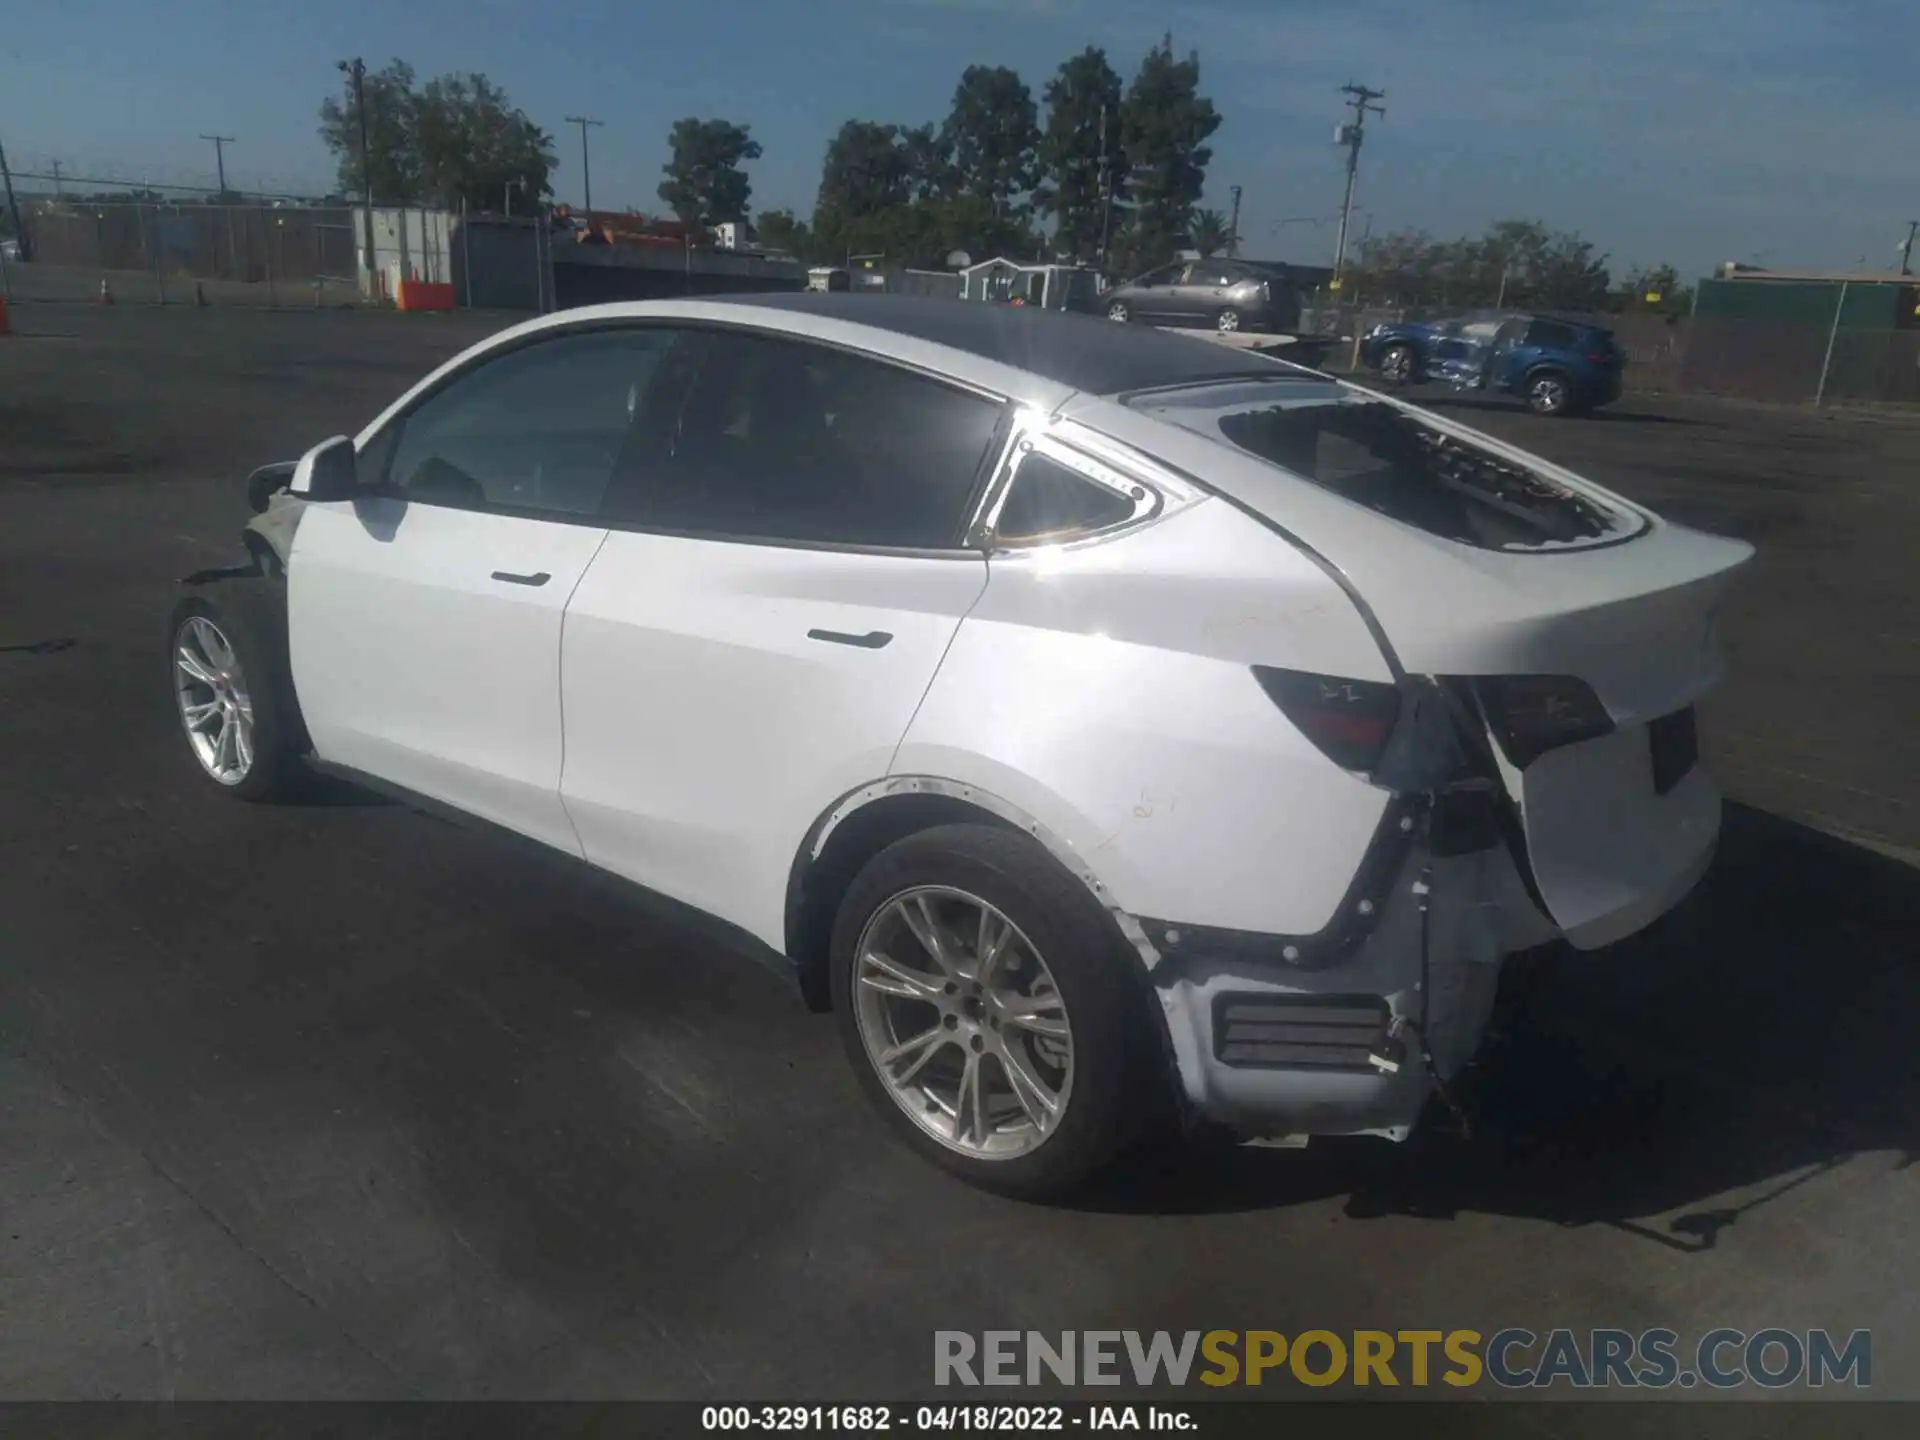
(538, 578)
(872, 640)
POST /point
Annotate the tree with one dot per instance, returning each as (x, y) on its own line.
(1165, 125)
(993, 133)
(474, 147)
(458, 138)
(1655, 288)
(931, 175)
(781, 230)
(705, 184)
(1516, 262)
(866, 174)
(1083, 123)
(1209, 232)
(392, 156)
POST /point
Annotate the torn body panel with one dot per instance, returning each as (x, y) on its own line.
(1267, 1049)
(274, 528)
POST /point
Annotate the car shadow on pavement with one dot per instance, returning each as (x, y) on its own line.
(1756, 1038)
(1606, 413)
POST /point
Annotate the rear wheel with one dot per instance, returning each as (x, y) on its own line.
(1229, 321)
(1549, 393)
(990, 1010)
(1118, 311)
(232, 689)
(1396, 365)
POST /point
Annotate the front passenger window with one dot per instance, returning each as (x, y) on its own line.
(538, 429)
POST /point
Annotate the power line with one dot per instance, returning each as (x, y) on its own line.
(1351, 134)
(586, 172)
(220, 143)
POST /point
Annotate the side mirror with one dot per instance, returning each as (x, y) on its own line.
(262, 483)
(326, 472)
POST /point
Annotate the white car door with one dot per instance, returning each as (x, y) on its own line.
(753, 639)
(425, 615)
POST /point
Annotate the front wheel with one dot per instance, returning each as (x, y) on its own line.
(990, 1011)
(1396, 365)
(232, 690)
(1118, 311)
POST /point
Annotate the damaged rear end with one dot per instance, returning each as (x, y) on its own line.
(1548, 641)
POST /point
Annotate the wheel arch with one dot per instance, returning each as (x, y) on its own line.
(865, 821)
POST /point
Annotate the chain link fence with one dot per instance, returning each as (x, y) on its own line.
(167, 252)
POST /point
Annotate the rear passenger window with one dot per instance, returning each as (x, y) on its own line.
(1550, 336)
(785, 440)
(1048, 499)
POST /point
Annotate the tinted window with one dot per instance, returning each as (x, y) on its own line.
(540, 428)
(782, 440)
(1212, 272)
(1047, 499)
(1551, 336)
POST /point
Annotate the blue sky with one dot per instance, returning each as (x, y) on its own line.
(1676, 130)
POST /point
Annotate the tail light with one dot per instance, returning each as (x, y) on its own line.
(1532, 714)
(1348, 721)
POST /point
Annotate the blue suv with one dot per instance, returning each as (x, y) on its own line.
(1558, 367)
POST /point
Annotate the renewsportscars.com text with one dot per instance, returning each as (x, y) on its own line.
(1512, 1358)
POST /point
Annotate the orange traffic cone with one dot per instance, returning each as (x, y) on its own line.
(106, 295)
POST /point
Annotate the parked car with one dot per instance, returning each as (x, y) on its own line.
(1225, 295)
(1090, 719)
(1558, 367)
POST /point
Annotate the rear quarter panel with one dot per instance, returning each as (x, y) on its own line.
(1104, 689)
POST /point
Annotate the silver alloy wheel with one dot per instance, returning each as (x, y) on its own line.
(1116, 311)
(1397, 363)
(1229, 321)
(215, 709)
(1548, 394)
(962, 1020)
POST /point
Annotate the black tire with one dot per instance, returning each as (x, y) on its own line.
(250, 611)
(1400, 356)
(1120, 1083)
(1118, 311)
(1229, 321)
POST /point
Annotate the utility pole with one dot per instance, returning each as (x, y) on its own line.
(220, 143)
(1350, 135)
(1106, 188)
(586, 174)
(1233, 225)
(13, 208)
(58, 192)
(357, 68)
(1906, 250)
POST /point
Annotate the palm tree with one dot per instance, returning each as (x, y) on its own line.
(1208, 232)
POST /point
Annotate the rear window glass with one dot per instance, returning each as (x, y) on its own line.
(1554, 337)
(1377, 455)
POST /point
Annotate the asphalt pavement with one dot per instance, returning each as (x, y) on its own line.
(338, 1101)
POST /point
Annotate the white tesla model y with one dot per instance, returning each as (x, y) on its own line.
(1085, 714)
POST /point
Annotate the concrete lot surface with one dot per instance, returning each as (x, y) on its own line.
(340, 1102)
